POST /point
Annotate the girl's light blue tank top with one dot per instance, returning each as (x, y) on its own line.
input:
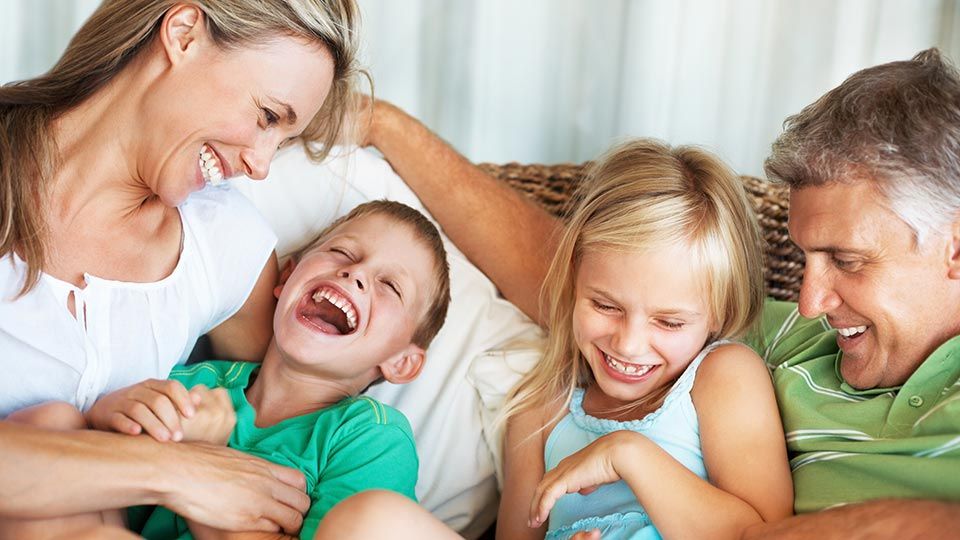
(613, 508)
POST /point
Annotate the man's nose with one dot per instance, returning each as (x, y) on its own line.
(817, 294)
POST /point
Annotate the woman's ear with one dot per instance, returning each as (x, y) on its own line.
(405, 366)
(183, 26)
(285, 274)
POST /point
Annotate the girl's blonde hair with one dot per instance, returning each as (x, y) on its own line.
(116, 33)
(643, 195)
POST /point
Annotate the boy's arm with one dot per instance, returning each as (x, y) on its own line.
(508, 237)
(45, 474)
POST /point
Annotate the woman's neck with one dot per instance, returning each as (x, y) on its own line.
(96, 170)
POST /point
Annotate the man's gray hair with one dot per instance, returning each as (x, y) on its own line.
(896, 125)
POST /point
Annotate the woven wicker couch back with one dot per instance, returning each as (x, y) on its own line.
(552, 185)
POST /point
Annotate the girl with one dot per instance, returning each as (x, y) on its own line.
(644, 417)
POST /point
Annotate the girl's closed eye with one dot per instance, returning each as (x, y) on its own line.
(671, 324)
(604, 307)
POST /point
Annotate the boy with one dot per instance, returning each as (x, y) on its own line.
(359, 305)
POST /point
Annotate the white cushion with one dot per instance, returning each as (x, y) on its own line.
(457, 480)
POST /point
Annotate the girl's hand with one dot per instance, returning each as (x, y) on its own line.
(583, 472)
(214, 419)
(154, 406)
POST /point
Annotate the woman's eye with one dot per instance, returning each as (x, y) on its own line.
(270, 117)
(672, 325)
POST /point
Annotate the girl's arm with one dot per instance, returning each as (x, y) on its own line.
(743, 448)
(523, 469)
(508, 237)
(246, 334)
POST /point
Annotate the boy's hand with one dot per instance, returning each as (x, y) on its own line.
(153, 406)
(214, 418)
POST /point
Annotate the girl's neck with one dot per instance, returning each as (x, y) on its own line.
(600, 405)
(280, 391)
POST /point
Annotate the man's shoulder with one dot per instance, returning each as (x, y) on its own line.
(787, 336)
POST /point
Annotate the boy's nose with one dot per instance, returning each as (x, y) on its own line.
(346, 275)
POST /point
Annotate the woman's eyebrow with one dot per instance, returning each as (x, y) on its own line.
(289, 114)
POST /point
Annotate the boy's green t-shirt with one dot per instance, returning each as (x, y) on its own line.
(355, 445)
(847, 445)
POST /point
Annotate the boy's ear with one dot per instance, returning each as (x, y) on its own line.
(285, 274)
(404, 366)
(182, 25)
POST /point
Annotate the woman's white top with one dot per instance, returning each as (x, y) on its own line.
(127, 332)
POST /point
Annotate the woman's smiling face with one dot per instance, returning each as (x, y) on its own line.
(217, 113)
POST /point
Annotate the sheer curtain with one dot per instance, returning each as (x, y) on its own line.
(560, 80)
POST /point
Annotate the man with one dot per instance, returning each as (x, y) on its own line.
(870, 394)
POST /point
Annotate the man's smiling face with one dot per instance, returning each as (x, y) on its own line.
(892, 302)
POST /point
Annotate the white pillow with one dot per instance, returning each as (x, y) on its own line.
(457, 480)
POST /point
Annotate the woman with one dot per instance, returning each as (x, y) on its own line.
(118, 256)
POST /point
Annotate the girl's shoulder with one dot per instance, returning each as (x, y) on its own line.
(729, 368)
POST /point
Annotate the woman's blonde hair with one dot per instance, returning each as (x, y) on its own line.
(643, 195)
(117, 32)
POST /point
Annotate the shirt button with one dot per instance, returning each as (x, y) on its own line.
(915, 401)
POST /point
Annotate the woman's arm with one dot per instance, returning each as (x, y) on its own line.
(246, 334)
(508, 237)
(743, 448)
(46, 474)
(523, 468)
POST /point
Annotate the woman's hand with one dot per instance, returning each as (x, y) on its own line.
(153, 406)
(214, 418)
(583, 472)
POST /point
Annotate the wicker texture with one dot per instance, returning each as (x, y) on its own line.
(552, 185)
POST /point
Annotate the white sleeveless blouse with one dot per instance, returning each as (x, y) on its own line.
(126, 332)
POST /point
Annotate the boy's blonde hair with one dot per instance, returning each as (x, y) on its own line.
(643, 195)
(425, 231)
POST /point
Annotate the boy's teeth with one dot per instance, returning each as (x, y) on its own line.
(342, 303)
(851, 331)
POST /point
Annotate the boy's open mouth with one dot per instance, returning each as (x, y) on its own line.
(331, 311)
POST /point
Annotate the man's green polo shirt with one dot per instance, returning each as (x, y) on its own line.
(847, 445)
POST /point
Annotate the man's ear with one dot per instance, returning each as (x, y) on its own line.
(183, 26)
(404, 366)
(953, 251)
(285, 274)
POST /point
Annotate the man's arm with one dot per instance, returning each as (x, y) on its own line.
(886, 518)
(508, 237)
(46, 474)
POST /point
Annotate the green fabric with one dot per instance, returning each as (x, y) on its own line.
(847, 445)
(355, 445)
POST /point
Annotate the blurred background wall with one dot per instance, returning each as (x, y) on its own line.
(560, 80)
